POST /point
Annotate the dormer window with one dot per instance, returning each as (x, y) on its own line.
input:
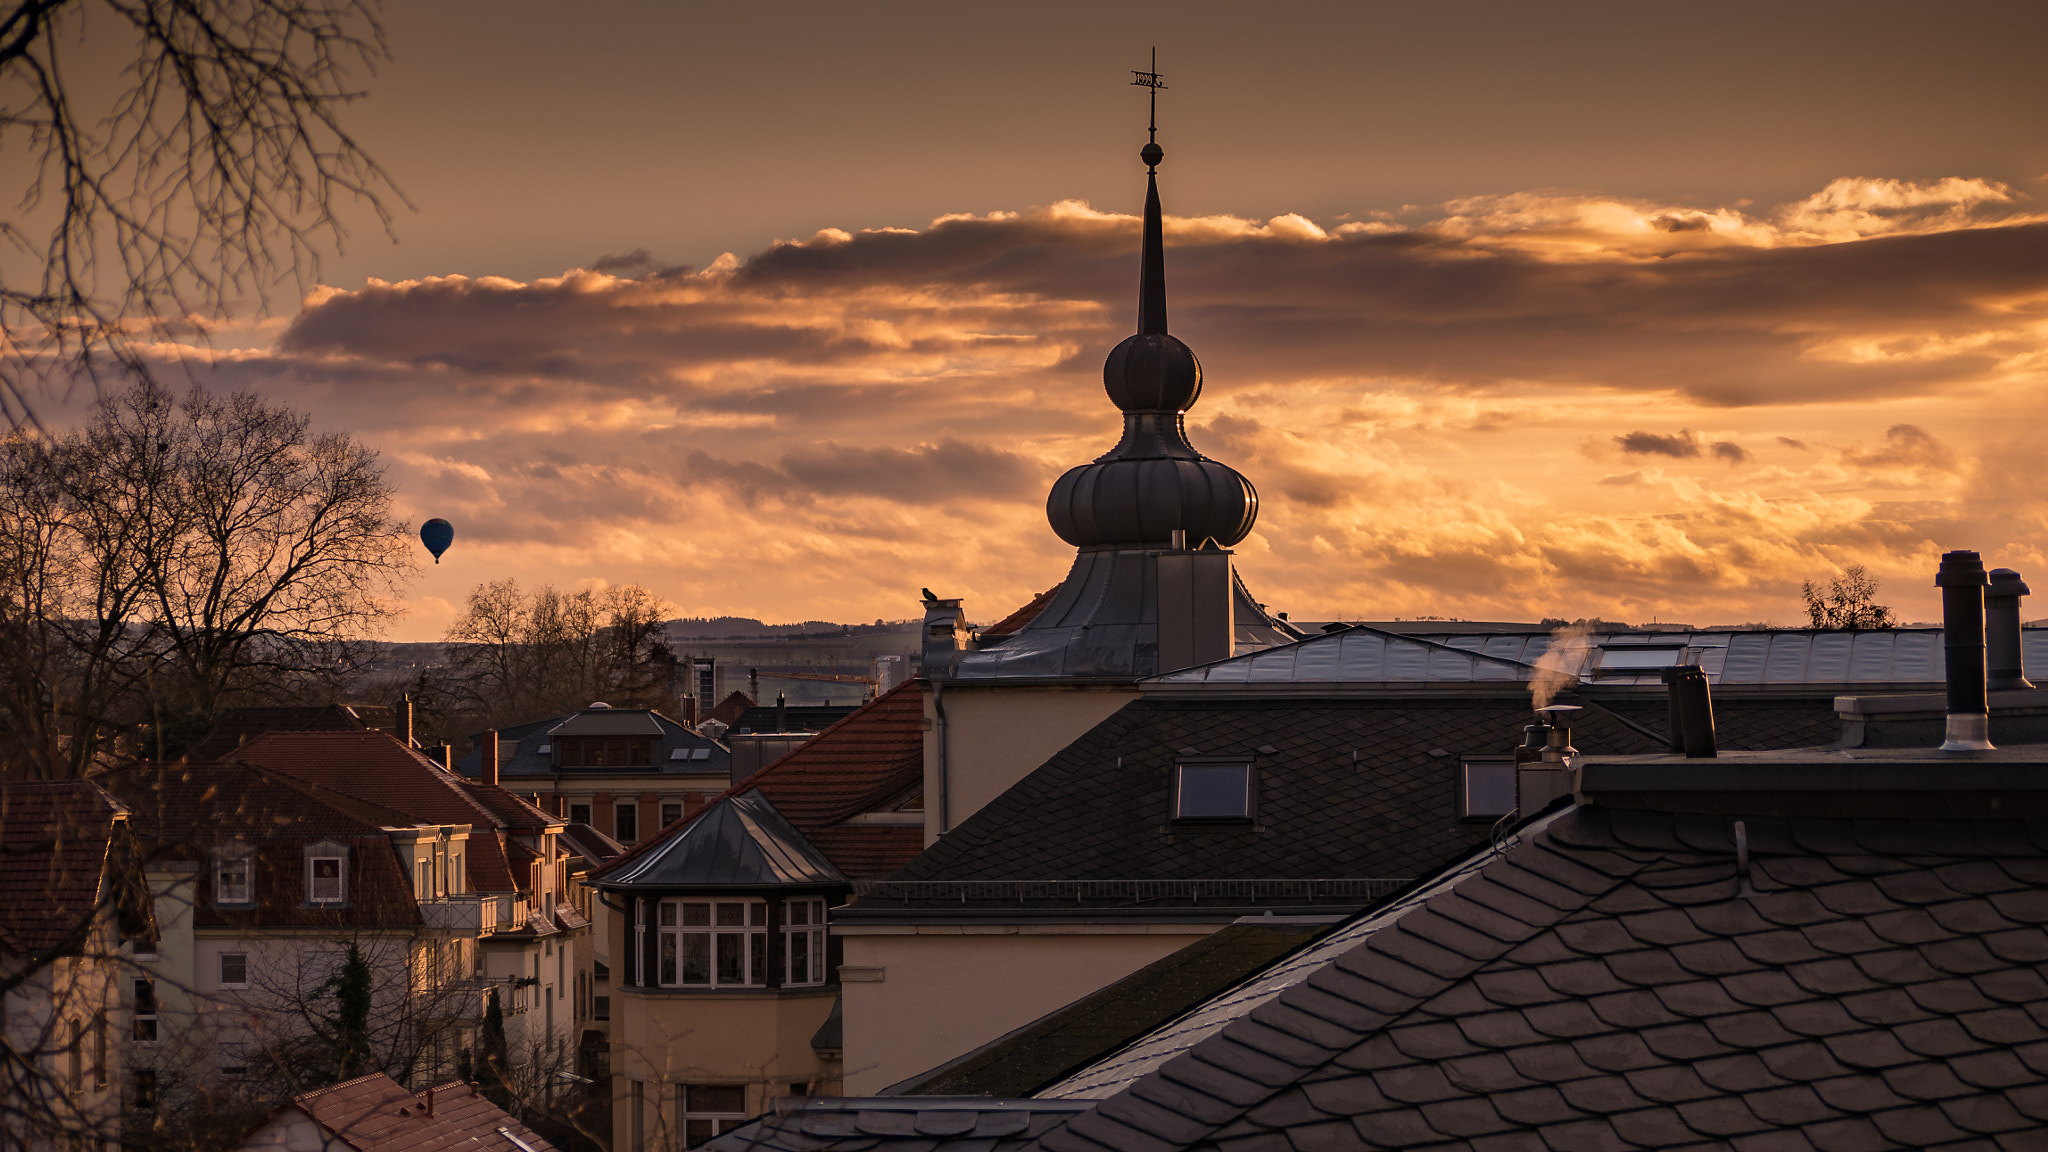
(327, 873)
(234, 876)
(605, 751)
(1214, 791)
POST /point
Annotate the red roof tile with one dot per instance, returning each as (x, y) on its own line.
(238, 726)
(731, 708)
(55, 838)
(376, 1114)
(872, 758)
(185, 811)
(1015, 621)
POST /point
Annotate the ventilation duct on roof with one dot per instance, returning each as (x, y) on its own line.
(1691, 703)
(2006, 663)
(1962, 582)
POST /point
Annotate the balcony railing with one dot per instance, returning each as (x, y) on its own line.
(468, 912)
(1126, 893)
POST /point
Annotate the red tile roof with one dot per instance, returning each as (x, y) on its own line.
(1015, 621)
(238, 726)
(731, 708)
(372, 766)
(870, 759)
(376, 1114)
(511, 810)
(186, 811)
(55, 841)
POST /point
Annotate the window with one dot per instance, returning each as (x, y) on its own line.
(77, 1056)
(670, 813)
(145, 1012)
(579, 813)
(1486, 787)
(234, 875)
(142, 1088)
(326, 874)
(803, 935)
(602, 1008)
(626, 823)
(234, 1058)
(1213, 791)
(713, 945)
(456, 876)
(710, 1110)
(422, 878)
(99, 1050)
(234, 969)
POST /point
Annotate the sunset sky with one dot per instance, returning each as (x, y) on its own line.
(1509, 310)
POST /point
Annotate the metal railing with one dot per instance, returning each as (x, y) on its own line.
(1126, 892)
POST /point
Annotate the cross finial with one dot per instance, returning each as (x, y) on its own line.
(1151, 80)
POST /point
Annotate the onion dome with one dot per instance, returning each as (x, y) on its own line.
(1153, 483)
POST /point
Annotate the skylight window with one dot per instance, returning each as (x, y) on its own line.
(1486, 787)
(1213, 791)
(680, 754)
(701, 754)
(544, 749)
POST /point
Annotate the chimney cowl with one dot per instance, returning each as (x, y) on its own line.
(2004, 650)
(487, 759)
(1962, 581)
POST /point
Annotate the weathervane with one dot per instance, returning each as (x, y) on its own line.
(1152, 154)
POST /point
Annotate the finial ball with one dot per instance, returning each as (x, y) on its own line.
(1152, 154)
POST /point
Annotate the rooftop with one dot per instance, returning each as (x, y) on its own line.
(738, 841)
(58, 837)
(375, 1113)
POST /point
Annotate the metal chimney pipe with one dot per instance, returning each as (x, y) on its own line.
(1695, 712)
(2002, 654)
(1674, 711)
(1962, 582)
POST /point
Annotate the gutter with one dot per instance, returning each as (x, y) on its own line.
(939, 728)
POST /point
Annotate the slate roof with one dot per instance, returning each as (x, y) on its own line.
(1760, 660)
(1607, 980)
(592, 845)
(375, 1113)
(56, 838)
(738, 841)
(1042, 1052)
(1099, 810)
(520, 746)
(804, 1124)
(765, 718)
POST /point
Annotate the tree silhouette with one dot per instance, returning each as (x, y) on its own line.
(1849, 601)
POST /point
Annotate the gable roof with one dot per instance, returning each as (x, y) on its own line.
(729, 709)
(872, 758)
(375, 1113)
(56, 840)
(238, 726)
(1610, 978)
(529, 749)
(737, 841)
(1100, 809)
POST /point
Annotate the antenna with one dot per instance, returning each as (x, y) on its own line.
(1151, 80)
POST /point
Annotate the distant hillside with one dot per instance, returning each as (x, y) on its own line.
(748, 628)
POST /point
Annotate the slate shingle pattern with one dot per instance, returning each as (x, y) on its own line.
(919, 1124)
(1604, 982)
(1391, 813)
(1742, 725)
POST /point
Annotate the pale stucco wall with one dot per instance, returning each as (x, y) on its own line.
(665, 1039)
(916, 997)
(995, 736)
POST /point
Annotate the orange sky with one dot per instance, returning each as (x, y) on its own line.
(1509, 311)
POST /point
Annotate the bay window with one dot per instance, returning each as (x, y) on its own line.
(803, 935)
(713, 944)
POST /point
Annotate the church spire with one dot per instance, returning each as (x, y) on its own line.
(1152, 264)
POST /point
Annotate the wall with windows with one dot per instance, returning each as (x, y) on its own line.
(965, 985)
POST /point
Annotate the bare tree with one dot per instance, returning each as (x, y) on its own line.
(218, 167)
(1848, 601)
(514, 656)
(172, 557)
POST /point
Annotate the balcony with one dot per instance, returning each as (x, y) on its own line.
(471, 913)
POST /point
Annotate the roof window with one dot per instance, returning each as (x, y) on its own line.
(234, 876)
(1486, 787)
(1214, 791)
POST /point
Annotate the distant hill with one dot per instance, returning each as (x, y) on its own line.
(748, 628)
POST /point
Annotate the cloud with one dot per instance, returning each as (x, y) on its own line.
(814, 429)
(1681, 445)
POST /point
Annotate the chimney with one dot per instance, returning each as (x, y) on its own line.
(945, 637)
(430, 1102)
(405, 715)
(689, 711)
(1962, 582)
(782, 711)
(487, 747)
(1192, 589)
(1541, 761)
(1691, 703)
(2006, 663)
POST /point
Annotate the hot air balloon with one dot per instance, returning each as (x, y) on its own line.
(437, 534)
